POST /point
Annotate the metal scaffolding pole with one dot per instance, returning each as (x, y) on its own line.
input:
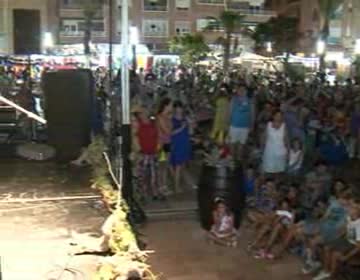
(136, 214)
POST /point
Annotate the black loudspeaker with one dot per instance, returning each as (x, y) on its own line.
(69, 99)
(27, 31)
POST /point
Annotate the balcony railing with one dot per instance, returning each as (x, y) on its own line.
(260, 12)
(76, 34)
(155, 8)
(209, 2)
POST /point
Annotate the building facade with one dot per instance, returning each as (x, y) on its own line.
(156, 20)
(160, 20)
(344, 27)
(23, 24)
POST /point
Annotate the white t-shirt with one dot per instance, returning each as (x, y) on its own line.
(295, 159)
(353, 231)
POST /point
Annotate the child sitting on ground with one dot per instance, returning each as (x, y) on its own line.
(223, 231)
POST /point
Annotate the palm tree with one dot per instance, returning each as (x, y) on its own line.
(90, 9)
(232, 23)
(191, 47)
(327, 11)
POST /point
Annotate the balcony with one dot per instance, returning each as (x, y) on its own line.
(80, 34)
(259, 12)
(155, 6)
(211, 2)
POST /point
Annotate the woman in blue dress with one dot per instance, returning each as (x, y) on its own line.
(180, 152)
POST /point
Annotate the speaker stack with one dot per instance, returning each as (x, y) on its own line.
(69, 96)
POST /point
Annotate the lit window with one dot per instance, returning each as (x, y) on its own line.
(183, 4)
(182, 27)
(155, 28)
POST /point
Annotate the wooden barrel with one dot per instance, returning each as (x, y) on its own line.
(224, 183)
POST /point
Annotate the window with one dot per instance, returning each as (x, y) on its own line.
(71, 2)
(182, 27)
(207, 23)
(76, 27)
(212, 2)
(155, 28)
(155, 5)
(70, 27)
(183, 4)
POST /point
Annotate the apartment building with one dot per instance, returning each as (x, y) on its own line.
(344, 26)
(23, 24)
(160, 20)
(156, 20)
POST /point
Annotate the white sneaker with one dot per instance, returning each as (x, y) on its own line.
(322, 276)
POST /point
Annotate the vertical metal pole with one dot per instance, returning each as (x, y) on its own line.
(6, 26)
(136, 214)
(124, 63)
(111, 19)
(125, 102)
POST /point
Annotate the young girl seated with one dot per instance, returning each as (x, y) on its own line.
(223, 231)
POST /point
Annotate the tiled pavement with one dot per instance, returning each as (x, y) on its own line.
(181, 253)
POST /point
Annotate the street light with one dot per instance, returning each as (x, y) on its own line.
(357, 47)
(320, 47)
(269, 47)
(48, 41)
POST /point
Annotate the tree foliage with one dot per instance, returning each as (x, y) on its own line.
(281, 31)
(191, 47)
(90, 9)
(232, 23)
(327, 12)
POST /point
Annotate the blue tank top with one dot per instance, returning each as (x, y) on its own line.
(240, 112)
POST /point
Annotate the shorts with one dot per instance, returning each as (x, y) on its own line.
(238, 135)
(341, 245)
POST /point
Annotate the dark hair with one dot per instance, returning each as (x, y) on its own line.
(178, 104)
(320, 162)
(163, 104)
(250, 166)
(269, 180)
(297, 140)
(219, 201)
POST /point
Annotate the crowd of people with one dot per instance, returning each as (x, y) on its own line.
(297, 142)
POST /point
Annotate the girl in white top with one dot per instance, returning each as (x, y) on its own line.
(296, 157)
(276, 151)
